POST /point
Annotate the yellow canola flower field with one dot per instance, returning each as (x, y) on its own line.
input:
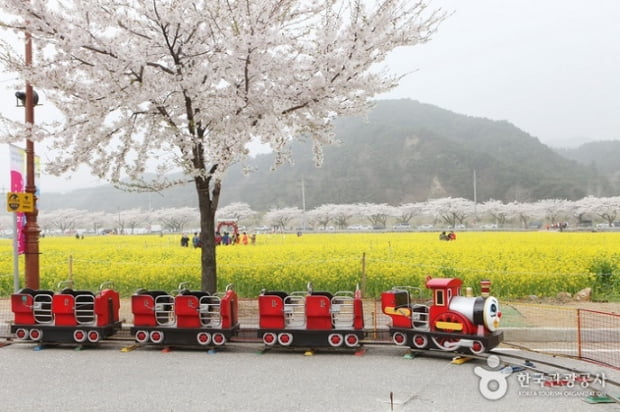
(519, 264)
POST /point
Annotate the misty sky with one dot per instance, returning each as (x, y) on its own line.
(550, 67)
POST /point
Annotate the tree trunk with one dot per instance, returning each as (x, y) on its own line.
(207, 205)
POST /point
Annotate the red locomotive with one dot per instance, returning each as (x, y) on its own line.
(193, 318)
(69, 316)
(451, 323)
(311, 319)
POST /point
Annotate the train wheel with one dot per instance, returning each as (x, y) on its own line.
(285, 339)
(335, 339)
(79, 336)
(420, 341)
(399, 338)
(94, 336)
(447, 344)
(21, 333)
(351, 340)
(142, 336)
(450, 322)
(477, 347)
(35, 334)
(218, 339)
(203, 338)
(157, 336)
(270, 338)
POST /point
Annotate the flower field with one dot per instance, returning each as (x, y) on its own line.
(518, 263)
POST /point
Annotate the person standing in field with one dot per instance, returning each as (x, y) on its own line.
(184, 240)
(244, 238)
(196, 240)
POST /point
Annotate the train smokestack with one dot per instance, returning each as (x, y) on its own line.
(485, 288)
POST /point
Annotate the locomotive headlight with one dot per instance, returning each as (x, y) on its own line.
(491, 313)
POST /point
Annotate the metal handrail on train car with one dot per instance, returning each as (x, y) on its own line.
(42, 308)
(108, 284)
(164, 310)
(419, 318)
(210, 311)
(85, 309)
(342, 309)
(295, 310)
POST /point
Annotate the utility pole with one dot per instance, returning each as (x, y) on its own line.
(303, 203)
(475, 197)
(31, 229)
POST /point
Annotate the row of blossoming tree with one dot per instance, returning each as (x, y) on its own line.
(445, 212)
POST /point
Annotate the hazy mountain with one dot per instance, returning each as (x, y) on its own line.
(404, 151)
(601, 157)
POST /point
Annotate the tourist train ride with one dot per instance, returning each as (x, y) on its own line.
(302, 319)
(451, 322)
(185, 318)
(311, 319)
(68, 316)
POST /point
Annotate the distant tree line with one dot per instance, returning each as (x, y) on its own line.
(445, 212)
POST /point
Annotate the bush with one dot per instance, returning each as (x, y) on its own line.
(605, 279)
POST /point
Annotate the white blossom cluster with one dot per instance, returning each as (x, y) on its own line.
(168, 84)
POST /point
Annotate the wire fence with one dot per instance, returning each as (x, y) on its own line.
(598, 337)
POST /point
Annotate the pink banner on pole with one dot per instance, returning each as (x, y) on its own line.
(18, 156)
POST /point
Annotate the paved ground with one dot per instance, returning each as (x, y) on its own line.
(241, 378)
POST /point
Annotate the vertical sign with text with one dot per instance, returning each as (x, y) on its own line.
(17, 156)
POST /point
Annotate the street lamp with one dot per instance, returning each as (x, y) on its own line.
(29, 99)
(21, 98)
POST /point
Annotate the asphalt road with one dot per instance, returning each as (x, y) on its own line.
(242, 378)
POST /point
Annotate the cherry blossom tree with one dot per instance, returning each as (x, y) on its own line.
(237, 210)
(377, 214)
(132, 219)
(320, 216)
(496, 209)
(452, 211)
(524, 212)
(97, 220)
(407, 211)
(63, 220)
(607, 208)
(342, 214)
(177, 218)
(188, 84)
(556, 210)
(280, 218)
